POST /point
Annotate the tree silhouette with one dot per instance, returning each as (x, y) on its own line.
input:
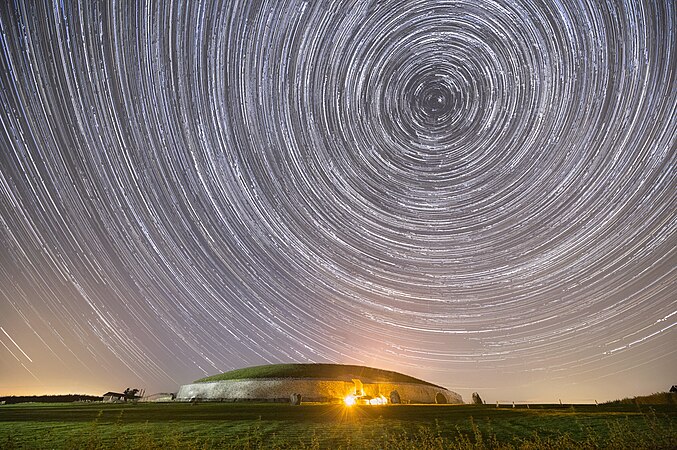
(130, 394)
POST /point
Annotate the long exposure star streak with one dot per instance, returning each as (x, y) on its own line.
(480, 193)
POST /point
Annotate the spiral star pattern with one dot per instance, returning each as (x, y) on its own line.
(479, 193)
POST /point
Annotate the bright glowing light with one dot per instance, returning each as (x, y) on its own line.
(350, 400)
(380, 400)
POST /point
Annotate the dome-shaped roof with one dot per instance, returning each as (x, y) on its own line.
(317, 371)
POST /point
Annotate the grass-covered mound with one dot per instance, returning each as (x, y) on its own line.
(319, 371)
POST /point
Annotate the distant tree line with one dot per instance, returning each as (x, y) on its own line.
(66, 398)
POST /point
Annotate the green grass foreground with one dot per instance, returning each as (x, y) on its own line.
(312, 426)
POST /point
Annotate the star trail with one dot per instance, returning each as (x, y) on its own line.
(478, 193)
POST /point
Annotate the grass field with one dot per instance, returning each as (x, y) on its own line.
(313, 426)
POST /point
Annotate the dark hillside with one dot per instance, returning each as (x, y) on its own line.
(65, 398)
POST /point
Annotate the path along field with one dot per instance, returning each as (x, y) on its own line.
(313, 426)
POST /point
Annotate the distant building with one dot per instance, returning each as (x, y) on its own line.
(113, 397)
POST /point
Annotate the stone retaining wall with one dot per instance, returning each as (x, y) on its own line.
(312, 390)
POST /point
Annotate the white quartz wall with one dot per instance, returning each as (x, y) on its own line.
(310, 390)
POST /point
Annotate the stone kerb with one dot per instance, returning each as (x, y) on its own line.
(280, 389)
(266, 389)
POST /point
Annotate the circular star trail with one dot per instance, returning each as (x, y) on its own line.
(453, 189)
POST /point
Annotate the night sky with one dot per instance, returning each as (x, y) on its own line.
(477, 193)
